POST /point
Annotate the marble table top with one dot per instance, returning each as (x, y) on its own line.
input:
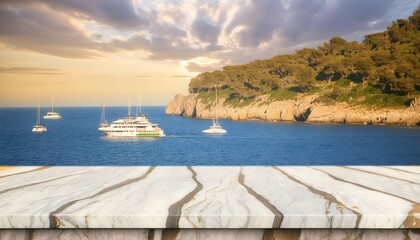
(210, 197)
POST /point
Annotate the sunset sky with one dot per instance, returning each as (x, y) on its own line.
(100, 52)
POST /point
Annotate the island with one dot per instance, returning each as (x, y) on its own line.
(376, 81)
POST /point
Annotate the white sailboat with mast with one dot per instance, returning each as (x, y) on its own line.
(215, 129)
(52, 115)
(138, 108)
(38, 127)
(103, 123)
(129, 110)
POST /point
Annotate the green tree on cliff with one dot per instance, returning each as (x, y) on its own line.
(388, 61)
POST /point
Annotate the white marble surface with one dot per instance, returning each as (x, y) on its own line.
(210, 197)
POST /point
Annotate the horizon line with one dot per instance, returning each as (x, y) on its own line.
(81, 106)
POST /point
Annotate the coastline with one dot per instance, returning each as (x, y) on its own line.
(305, 109)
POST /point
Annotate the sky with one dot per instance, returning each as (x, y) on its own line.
(104, 52)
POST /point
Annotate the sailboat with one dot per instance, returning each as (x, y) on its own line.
(52, 114)
(215, 128)
(103, 123)
(139, 115)
(38, 127)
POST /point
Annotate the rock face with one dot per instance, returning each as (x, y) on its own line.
(183, 105)
(415, 104)
(305, 109)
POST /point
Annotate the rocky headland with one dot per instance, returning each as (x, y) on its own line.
(306, 109)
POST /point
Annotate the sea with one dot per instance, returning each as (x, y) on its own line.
(75, 140)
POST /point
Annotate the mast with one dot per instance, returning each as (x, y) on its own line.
(138, 108)
(38, 115)
(52, 104)
(215, 110)
(103, 119)
(139, 102)
(129, 107)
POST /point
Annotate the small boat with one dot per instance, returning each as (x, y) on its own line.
(52, 115)
(215, 128)
(38, 127)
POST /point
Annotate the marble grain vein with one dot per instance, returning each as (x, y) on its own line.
(301, 208)
(142, 204)
(175, 209)
(325, 195)
(34, 170)
(210, 197)
(410, 168)
(364, 186)
(278, 216)
(402, 170)
(380, 174)
(55, 222)
(40, 177)
(376, 209)
(224, 203)
(37, 183)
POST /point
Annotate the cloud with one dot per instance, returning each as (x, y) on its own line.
(160, 47)
(236, 31)
(208, 22)
(205, 31)
(43, 31)
(31, 70)
(257, 22)
(121, 14)
(333, 18)
(195, 67)
(143, 76)
(181, 76)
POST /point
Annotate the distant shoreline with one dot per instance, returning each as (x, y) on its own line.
(120, 106)
(303, 110)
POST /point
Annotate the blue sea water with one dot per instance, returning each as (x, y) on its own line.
(75, 140)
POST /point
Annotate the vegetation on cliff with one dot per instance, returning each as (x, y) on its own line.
(382, 71)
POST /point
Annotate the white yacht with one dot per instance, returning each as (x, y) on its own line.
(215, 128)
(130, 126)
(38, 127)
(52, 115)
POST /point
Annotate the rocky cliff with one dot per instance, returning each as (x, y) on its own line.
(305, 109)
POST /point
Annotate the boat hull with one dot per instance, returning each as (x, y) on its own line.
(117, 134)
(131, 133)
(39, 130)
(52, 117)
(215, 132)
(150, 134)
